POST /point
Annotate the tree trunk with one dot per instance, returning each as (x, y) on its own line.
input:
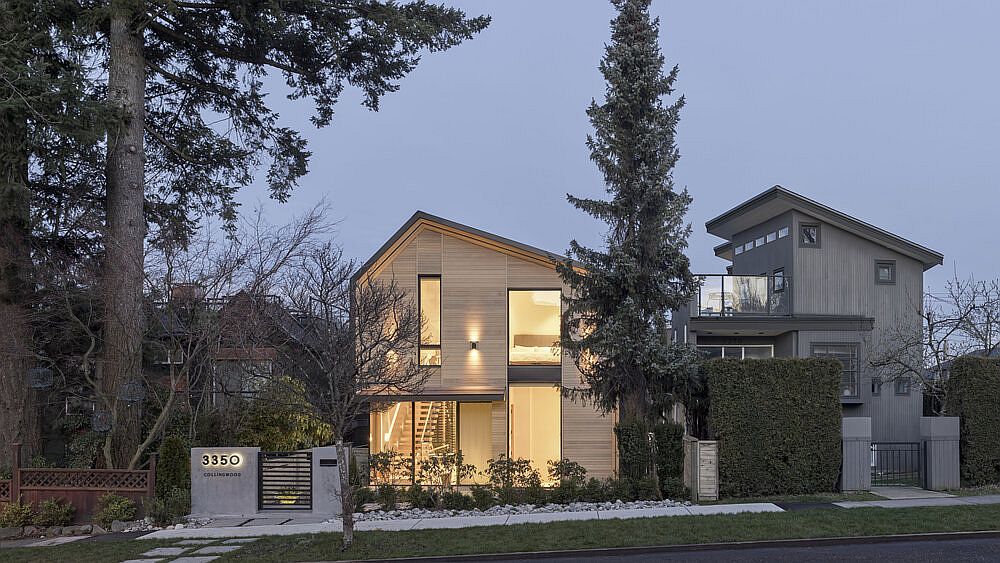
(126, 228)
(346, 494)
(18, 413)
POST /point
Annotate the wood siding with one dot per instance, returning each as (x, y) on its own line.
(474, 283)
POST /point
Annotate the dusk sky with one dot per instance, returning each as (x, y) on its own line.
(885, 110)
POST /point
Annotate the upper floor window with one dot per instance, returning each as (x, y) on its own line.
(747, 352)
(779, 280)
(533, 323)
(902, 385)
(848, 356)
(783, 232)
(429, 296)
(885, 272)
(809, 235)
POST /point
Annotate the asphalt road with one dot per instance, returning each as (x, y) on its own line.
(960, 550)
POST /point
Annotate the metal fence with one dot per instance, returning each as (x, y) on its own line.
(284, 481)
(897, 464)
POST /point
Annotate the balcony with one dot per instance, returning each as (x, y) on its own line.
(723, 295)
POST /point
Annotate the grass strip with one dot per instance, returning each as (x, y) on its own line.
(677, 530)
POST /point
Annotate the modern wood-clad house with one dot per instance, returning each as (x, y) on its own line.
(808, 280)
(491, 309)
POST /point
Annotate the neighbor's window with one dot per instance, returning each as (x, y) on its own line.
(771, 237)
(759, 242)
(751, 351)
(779, 280)
(902, 386)
(783, 232)
(533, 327)
(848, 356)
(429, 296)
(738, 249)
(809, 235)
(876, 385)
(885, 272)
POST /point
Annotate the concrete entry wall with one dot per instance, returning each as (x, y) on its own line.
(940, 437)
(224, 482)
(856, 472)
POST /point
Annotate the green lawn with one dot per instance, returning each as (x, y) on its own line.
(975, 491)
(564, 535)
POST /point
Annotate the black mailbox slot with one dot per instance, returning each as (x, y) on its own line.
(327, 462)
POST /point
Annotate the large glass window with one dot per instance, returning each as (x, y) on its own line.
(533, 321)
(750, 351)
(535, 425)
(430, 314)
(475, 436)
(391, 436)
(848, 356)
(411, 432)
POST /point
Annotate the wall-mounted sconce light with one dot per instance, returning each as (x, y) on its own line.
(474, 344)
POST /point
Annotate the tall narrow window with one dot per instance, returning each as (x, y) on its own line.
(429, 296)
(533, 327)
(779, 280)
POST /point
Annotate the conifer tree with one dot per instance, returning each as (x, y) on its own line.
(616, 316)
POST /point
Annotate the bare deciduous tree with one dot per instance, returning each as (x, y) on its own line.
(355, 339)
(963, 320)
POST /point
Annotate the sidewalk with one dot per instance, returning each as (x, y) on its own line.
(250, 529)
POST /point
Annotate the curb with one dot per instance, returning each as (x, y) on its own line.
(725, 546)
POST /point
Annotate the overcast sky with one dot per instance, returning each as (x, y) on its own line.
(886, 110)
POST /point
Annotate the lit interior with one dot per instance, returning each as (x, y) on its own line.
(534, 425)
(475, 437)
(534, 327)
(430, 327)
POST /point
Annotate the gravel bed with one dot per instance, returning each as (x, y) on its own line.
(507, 509)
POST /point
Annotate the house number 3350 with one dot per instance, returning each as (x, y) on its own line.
(217, 460)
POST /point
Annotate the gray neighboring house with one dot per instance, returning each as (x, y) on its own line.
(807, 280)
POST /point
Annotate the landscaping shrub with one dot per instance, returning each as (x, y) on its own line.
(593, 491)
(419, 497)
(54, 512)
(634, 452)
(363, 496)
(669, 438)
(454, 500)
(387, 496)
(778, 425)
(170, 508)
(483, 497)
(16, 514)
(567, 471)
(111, 507)
(173, 468)
(974, 396)
(513, 480)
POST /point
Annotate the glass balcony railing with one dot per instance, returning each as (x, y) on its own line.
(724, 295)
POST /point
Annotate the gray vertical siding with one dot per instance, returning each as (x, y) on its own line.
(839, 279)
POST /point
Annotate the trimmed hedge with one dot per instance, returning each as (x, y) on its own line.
(173, 468)
(778, 425)
(633, 454)
(974, 396)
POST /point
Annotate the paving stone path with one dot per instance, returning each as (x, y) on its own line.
(192, 551)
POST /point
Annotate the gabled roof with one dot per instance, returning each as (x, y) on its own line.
(423, 220)
(778, 200)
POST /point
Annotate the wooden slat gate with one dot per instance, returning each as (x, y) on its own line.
(284, 481)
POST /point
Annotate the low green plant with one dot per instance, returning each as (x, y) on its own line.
(170, 508)
(455, 500)
(444, 471)
(513, 480)
(389, 466)
(363, 496)
(418, 497)
(388, 496)
(16, 514)
(593, 491)
(483, 497)
(111, 507)
(54, 512)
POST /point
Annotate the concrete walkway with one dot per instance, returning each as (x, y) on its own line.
(899, 493)
(290, 528)
(946, 500)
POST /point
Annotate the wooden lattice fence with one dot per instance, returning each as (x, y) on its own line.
(81, 487)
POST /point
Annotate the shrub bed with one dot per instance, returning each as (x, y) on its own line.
(974, 396)
(778, 425)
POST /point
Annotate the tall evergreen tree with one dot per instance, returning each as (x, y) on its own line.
(186, 79)
(617, 312)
